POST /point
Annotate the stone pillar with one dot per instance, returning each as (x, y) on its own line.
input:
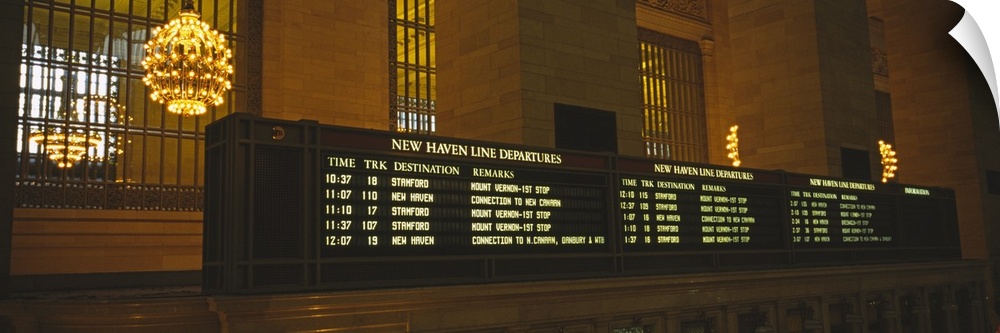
(11, 22)
(802, 83)
(716, 49)
(716, 120)
(502, 65)
(327, 62)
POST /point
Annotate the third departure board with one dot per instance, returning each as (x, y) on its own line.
(829, 212)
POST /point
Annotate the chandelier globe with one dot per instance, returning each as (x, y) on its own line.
(187, 64)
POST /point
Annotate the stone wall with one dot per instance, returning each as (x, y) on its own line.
(327, 61)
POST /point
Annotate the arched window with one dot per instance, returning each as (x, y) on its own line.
(673, 102)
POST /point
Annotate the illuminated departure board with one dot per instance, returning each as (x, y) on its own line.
(392, 205)
(306, 206)
(831, 212)
(666, 206)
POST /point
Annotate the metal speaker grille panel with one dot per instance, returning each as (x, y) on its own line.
(277, 275)
(211, 278)
(277, 203)
(212, 228)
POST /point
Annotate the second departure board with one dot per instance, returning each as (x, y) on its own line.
(666, 206)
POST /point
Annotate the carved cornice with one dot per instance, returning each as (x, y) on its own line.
(673, 23)
(880, 62)
(693, 8)
(668, 41)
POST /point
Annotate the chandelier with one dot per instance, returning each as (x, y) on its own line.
(65, 146)
(888, 161)
(733, 145)
(187, 64)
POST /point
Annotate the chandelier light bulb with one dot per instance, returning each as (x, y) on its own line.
(888, 161)
(187, 45)
(733, 145)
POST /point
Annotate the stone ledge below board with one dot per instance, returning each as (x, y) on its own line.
(35, 285)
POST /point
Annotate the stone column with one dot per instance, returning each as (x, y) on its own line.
(802, 83)
(11, 22)
(502, 65)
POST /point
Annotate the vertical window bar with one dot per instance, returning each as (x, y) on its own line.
(72, 83)
(29, 73)
(673, 101)
(91, 88)
(656, 104)
(662, 101)
(105, 110)
(661, 104)
(407, 44)
(417, 65)
(429, 35)
(50, 92)
(659, 121)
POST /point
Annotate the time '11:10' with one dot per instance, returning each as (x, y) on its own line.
(340, 209)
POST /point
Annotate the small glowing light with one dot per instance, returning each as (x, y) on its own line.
(187, 45)
(733, 145)
(888, 161)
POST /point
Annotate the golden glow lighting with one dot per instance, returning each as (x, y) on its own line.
(65, 146)
(187, 64)
(888, 161)
(733, 145)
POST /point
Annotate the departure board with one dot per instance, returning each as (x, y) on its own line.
(832, 212)
(669, 206)
(305, 206)
(391, 205)
(411, 196)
